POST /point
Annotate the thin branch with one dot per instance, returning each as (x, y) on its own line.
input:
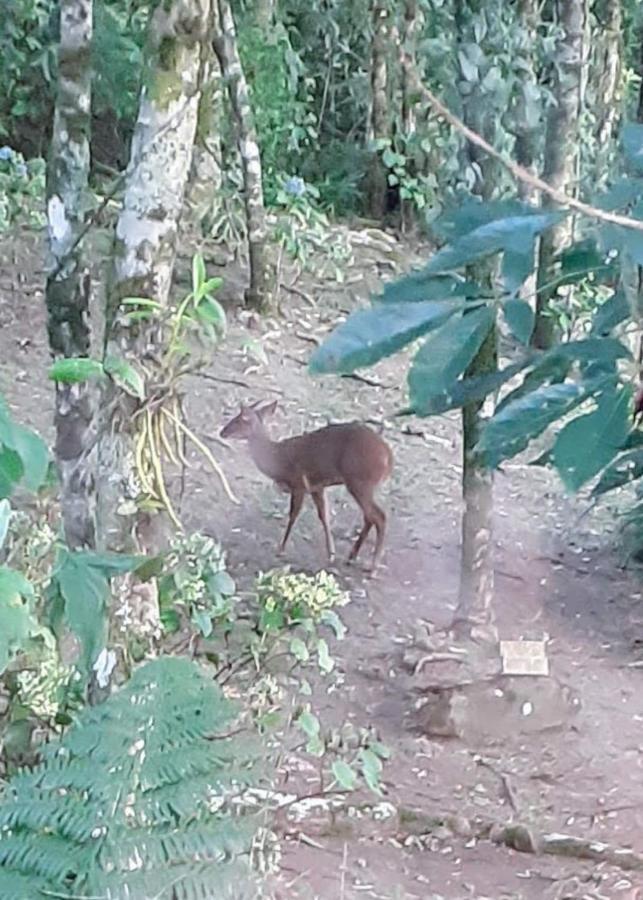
(518, 172)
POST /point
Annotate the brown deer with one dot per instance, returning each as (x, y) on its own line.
(349, 454)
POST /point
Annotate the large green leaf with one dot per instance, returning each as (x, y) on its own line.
(73, 370)
(581, 259)
(519, 317)
(503, 234)
(467, 390)
(126, 376)
(589, 442)
(23, 455)
(419, 286)
(609, 314)
(511, 429)
(627, 241)
(460, 220)
(623, 470)
(369, 335)
(445, 355)
(84, 590)
(623, 193)
(17, 622)
(632, 136)
(518, 265)
(34, 455)
(80, 593)
(11, 471)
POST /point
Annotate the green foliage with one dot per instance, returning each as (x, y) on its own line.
(369, 335)
(303, 231)
(77, 598)
(281, 98)
(289, 599)
(27, 63)
(19, 626)
(22, 190)
(587, 375)
(117, 51)
(195, 580)
(24, 458)
(141, 797)
(445, 355)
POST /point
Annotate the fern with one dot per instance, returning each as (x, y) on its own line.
(140, 799)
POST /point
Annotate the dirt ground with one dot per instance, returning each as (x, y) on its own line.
(556, 576)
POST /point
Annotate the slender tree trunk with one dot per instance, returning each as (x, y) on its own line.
(68, 285)
(477, 586)
(476, 591)
(206, 170)
(526, 124)
(261, 290)
(411, 26)
(608, 79)
(526, 128)
(145, 243)
(380, 120)
(561, 147)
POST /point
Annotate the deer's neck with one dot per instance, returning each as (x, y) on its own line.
(266, 455)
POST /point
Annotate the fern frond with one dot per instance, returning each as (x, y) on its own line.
(141, 798)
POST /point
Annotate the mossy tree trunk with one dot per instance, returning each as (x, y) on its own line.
(69, 284)
(380, 118)
(261, 289)
(561, 153)
(145, 243)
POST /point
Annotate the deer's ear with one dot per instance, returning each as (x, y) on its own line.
(268, 409)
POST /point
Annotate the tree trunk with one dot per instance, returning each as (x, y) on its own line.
(561, 148)
(411, 26)
(261, 290)
(68, 285)
(145, 243)
(206, 170)
(380, 120)
(608, 80)
(476, 590)
(524, 126)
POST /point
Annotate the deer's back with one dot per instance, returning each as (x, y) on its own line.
(338, 454)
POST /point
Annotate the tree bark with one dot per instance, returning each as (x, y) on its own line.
(561, 148)
(261, 290)
(608, 81)
(68, 284)
(206, 170)
(527, 130)
(411, 26)
(476, 589)
(145, 243)
(380, 119)
(476, 592)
